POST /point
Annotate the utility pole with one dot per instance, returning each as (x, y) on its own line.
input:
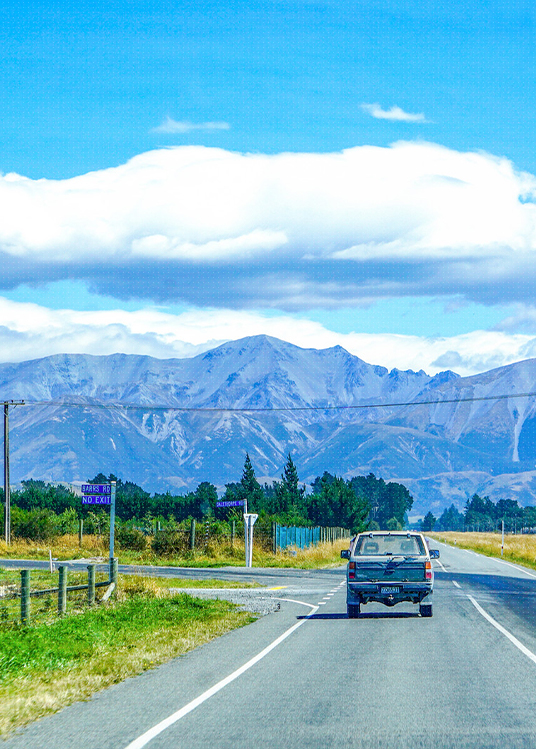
(7, 502)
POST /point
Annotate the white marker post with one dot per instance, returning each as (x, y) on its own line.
(502, 542)
(249, 522)
(246, 534)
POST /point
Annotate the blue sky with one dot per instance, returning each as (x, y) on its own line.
(92, 91)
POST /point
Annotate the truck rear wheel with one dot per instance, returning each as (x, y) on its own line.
(425, 609)
(354, 609)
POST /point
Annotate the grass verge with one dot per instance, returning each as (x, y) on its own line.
(47, 666)
(520, 549)
(216, 554)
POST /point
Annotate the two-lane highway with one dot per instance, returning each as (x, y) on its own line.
(307, 676)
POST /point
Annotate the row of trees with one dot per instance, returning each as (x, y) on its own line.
(482, 514)
(357, 503)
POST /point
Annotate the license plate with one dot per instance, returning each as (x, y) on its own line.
(387, 590)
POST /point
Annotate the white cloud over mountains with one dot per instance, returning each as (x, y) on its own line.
(28, 331)
(291, 230)
(395, 113)
(185, 126)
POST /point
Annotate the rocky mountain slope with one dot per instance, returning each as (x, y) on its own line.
(73, 427)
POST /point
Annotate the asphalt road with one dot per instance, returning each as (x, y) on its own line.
(307, 676)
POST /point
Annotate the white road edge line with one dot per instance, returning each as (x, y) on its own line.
(501, 561)
(515, 566)
(440, 564)
(456, 584)
(146, 737)
(504, 631)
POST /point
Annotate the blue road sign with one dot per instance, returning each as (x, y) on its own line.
(233, 503)
(96, 499)
(96, 489)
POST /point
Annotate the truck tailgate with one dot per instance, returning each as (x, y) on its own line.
(387, 571)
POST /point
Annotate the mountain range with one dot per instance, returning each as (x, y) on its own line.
(163, 423)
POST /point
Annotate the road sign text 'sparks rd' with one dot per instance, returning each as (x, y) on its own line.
(97, 499)
(96, 489)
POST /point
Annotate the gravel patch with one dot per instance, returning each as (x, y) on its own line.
(258, 601)
(247, 599)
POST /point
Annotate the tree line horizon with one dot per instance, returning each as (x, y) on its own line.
(358, 503)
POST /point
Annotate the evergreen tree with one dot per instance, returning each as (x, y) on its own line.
(336, 503)
(206, 496)
(480, 514)
(288, 495)
(450, 520)
(388, 501)
(250, 488)
(428, 522)
(529, 516)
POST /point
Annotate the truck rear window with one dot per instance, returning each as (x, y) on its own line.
(383, 545)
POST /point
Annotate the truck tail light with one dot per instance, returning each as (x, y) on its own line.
(428, 570)
(351, 571)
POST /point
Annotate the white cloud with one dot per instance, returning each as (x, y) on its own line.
(523, 320)
(293, 226)
(173, 126)
(159, 246)
(28, 331)
(395, 113)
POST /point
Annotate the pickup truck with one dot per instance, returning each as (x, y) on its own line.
(389, 567)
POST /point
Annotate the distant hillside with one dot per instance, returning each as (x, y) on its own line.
(442, 452)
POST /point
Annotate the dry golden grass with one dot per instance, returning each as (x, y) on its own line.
(64, 547)
(36, 693)
(216, 554)
(324, 555)
(517, 548)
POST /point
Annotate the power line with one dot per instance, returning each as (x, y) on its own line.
(223, 409)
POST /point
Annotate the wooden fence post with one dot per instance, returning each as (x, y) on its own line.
(25, 596)
(113, 570)
(90, 584)
(80, 531)
(62, 590)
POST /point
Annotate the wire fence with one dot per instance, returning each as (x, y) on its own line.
(39, 596)
(300, 537)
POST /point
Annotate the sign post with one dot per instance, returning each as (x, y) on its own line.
(249, 522)
(103, 494)
(7, 498)
(112, 524)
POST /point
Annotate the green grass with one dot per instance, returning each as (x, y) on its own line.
(70, 641)
(44, 608)
(47, 666)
